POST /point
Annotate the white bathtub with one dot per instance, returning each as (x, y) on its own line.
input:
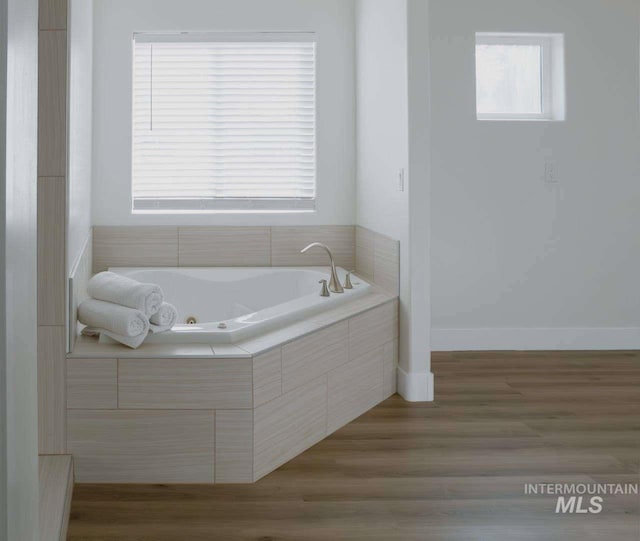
(232, 304)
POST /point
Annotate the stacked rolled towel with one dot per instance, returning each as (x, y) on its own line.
(125, 310)
(163, 319)
(118, 289)
(121, 323)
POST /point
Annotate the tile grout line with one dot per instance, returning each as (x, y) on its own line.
(281, 371)
(326, 413)
(178, 262)
(117, 383)
(215, 447)
(271, 246)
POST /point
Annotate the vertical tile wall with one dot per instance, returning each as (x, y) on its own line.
(52, 197)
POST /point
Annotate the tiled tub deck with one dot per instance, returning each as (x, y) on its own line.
(203, 414)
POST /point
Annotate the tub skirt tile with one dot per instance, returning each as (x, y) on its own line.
(125, 446)
(307, 358)
(185, 383)
(92, 383)
(355, 388)
(288, 425)
(373, 329)
(267, 377)
(234, 446)
(390, 368)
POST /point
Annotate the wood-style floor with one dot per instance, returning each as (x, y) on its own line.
(451, 470)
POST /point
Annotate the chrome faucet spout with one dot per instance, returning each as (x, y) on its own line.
(334, 282)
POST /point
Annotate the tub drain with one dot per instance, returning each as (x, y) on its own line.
(191, 320)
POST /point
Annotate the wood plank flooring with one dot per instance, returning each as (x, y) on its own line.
(451, 470)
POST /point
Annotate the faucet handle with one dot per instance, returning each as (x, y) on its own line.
(347, 280)
(325, 289)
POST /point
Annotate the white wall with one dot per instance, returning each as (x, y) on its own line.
(382, 115)
(18, 314)
(383, 112)
(420, 382)
(115, 22)
(508, 250)
(80, 126)
(381, 128)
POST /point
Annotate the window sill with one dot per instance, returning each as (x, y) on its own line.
(159, 212)
(191, 206)
(490, 119)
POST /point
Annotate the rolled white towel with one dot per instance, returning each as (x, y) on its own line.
(106, 337)
(112, 287)
(113, 318)
(163, 319)
(132, 342)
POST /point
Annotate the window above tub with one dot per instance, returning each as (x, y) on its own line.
(519, 76)
(224, 122)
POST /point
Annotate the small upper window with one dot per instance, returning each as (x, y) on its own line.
(224, 122)
(519, 77)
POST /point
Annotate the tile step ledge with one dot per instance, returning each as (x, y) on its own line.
(86, 347)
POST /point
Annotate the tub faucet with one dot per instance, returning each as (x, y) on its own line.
(334, 282)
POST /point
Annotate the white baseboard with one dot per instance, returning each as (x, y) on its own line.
(599, 338)
(415, 386)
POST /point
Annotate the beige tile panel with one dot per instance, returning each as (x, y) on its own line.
(286, 243)
(128, 446)
(51, 251)
(288, 425)
(386, 271)
(51, 390)
(92, 383)
(52, 104)
(267, 376)
(278, 337)
(228, 351)
(53, 14)
(55, 480)
(390, 368)
(87, 347)
(375, 298)
(66, 513)
(355, 388)
(314, 355)
(373, 329)
(224, 246)
(123, 246)
(234, 446)
(365, 246)
(184, 383)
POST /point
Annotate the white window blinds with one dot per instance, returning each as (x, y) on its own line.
(224, 122)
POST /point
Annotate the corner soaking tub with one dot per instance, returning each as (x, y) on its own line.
(224, 305)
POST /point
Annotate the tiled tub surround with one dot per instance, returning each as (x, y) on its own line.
(227, 414)
(374, 256)
(219, 246)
